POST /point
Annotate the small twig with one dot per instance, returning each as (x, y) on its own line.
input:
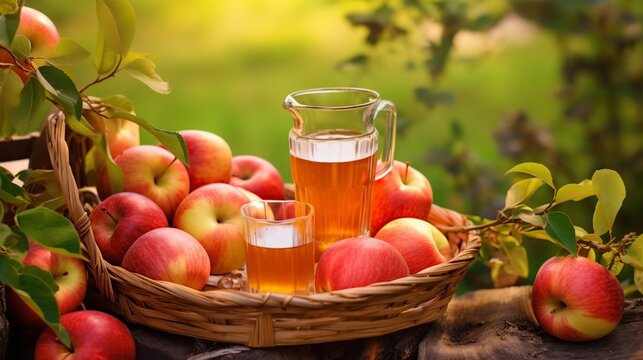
(101, 79)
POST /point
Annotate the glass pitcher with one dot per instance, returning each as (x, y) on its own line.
(334, 157)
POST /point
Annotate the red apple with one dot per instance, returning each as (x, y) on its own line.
(403, 192)
(576, 299)
(121, 135)
(210, 158)
(94, 335)
(358, 262)
(212, 215)
(154, 172)
(420, 243)
(121, 219)
(68, 273)
(169, 254)
(257, 175)
(42, 34)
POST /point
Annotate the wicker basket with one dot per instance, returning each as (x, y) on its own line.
(260, 320)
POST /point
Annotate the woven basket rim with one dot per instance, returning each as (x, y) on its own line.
(260, 319)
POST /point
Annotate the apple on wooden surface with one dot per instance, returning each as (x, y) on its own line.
(155, 173)
(169, 254)
(68, 273)
(576, 299)
(212, 215)
(257, 175)
(420, 243)
(210, 158)
(358, 262)
(403, 192)
(121, 219)
(94, 335)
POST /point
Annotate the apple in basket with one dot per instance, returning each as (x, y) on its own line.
(210, 158)
(420, 243)
(94, 335)
(155, 173)
(212, 214)
(403, 192)
(257, 175)
(576, 299)
(169, 254)
(68, 273)
(121, 219)
(358, 262)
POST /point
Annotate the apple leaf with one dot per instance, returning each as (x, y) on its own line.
(638, 280)
(536, 170)
(610, 191)
(142, 68)
(561, 229)
(10, 87)
(51, 230)
(21, 47)
(575, 192)
(100, 156)
(173, 141)
(9, 271)
(81, 126)
(33, 105)
(516, 261)
(11, 193)
(542, 235)
(634, 254)
(116, 25)
(9, 20)
(118, 103)
(62, 88)
(521, 191)
(67, 52)
(612, 262)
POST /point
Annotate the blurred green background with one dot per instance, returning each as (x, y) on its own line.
(479, 86)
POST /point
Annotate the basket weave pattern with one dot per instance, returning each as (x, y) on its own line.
(262, 319)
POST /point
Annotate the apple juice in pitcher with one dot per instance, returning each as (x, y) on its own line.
(334, 157)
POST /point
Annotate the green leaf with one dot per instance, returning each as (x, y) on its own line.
(575, 192)
(21, 47)
(8, 21)
(536, 170)
(542, 235)
(10, 271)
(638, 280)
(634, 254)
(33, 105)
(98, 156)
(116, 25)
(173, 141)
(118, 103)
(51, 230)
(81, 126)
(142, 68)
(62, 88)
(560, 228)
(612, 262)
(610, 191)
(10, 87)
(67, 52)
(516, 262)
(11, 193)
(521, 191)
(17, 241)
(8, 6)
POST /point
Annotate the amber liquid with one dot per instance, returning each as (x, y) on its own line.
(337, 179)
(281, 270)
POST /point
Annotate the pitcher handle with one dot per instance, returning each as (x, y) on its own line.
(386, 162)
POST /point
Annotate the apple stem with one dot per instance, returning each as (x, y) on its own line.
(104, 209)
(406, 171)
(167, 167)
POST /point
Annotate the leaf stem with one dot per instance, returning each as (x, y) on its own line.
(101, 79)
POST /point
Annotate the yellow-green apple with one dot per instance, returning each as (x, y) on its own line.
(576, 299)
(154, 172)
(42, 34)
(68, 273)
(212, 215)
(258, 175)
(94, 335)
(169, 254)
(121, 219)
(403, 192)
(210, 158)
(358, 262)
(420, 243)
(121, 135)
